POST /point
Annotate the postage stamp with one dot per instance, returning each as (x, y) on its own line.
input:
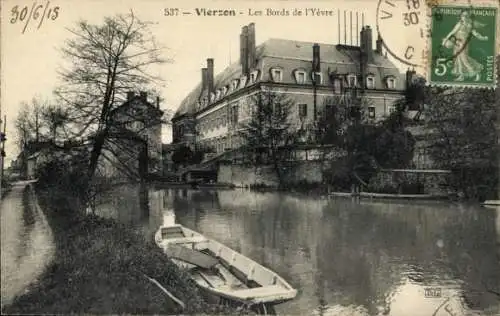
(462, 44)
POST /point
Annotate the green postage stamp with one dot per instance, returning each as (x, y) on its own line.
(463, 45)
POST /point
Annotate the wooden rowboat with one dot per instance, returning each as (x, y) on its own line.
(222, 273)
(491, 203)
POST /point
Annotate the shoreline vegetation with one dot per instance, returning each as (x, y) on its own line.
(103, 267)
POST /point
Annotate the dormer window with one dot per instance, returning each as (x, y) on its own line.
(212, 97)
(277, 75)
(235, 84)
(218, 95)
(253, 76)
(224, 90)
(300, 76)
(390, 83)
(317, 77)
(370, 82)
(352, 81)
(243, 81)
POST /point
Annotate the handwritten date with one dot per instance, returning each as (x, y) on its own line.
(37, 12)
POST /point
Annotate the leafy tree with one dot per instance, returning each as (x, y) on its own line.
(29, 123)
(332, 121)
(269, 136)
(465, 140)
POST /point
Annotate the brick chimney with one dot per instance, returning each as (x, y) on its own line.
(316, 64)
(158, 102)
(210, 75)
(251, 46)
(130, 95)
(204, 72)
(366, 52)
(144, 96)
(367, 43)
(410, 74)
(244, 49)
(379, 44)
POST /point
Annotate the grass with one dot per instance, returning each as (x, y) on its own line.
(99, 268)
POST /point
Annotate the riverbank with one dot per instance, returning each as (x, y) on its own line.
(390, 196)
(102, 267)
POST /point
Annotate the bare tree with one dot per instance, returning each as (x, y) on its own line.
(55, 118)
(29, 122)
(104, 62)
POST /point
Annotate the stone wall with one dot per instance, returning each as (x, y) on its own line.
(432, 182)
(245, 175)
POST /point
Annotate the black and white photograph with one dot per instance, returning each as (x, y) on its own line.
(267, 157)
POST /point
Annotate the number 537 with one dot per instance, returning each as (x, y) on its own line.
(441, 66)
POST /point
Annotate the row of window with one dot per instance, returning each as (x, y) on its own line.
(223, 143)
(235, 85)
(350, 80)
(300, 76)
(302, 110)
(219, 119)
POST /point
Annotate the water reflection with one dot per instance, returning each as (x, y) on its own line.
(344, 258)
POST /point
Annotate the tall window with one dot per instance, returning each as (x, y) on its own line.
(352, 80)
(235, 114)
(337, 85)
(391, 83)
(370, 82)
(277, 75)
(235, 84)
(302, 110)
(253, 76)
(317, 77)
(300, 77)
(243, 81)
(371, 112)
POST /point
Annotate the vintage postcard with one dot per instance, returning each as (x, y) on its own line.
(250, 157)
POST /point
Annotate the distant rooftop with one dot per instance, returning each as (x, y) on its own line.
(290, 55)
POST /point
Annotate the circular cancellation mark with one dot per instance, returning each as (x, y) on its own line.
(410, 17)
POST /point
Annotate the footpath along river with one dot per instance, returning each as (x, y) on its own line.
(344, 257)
(27, 244)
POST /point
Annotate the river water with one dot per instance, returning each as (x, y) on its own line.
(27, 243)
(344, 257)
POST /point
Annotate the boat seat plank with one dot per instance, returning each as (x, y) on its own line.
(191, 256)
(271, 290)
(186, 240)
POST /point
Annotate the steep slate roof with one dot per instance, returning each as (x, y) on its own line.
(291, 55)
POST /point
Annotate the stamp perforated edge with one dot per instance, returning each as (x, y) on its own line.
(427, 62)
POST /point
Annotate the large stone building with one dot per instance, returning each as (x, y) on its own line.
(134, 146)
(309, 73)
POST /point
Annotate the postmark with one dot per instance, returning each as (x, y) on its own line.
(412, 20)
(462, 44)
(409, 18)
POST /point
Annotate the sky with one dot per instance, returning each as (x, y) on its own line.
(29, 60)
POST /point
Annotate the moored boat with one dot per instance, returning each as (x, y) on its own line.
(491, 203)
(222, 273)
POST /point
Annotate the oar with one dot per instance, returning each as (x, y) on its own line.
(175, 299)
